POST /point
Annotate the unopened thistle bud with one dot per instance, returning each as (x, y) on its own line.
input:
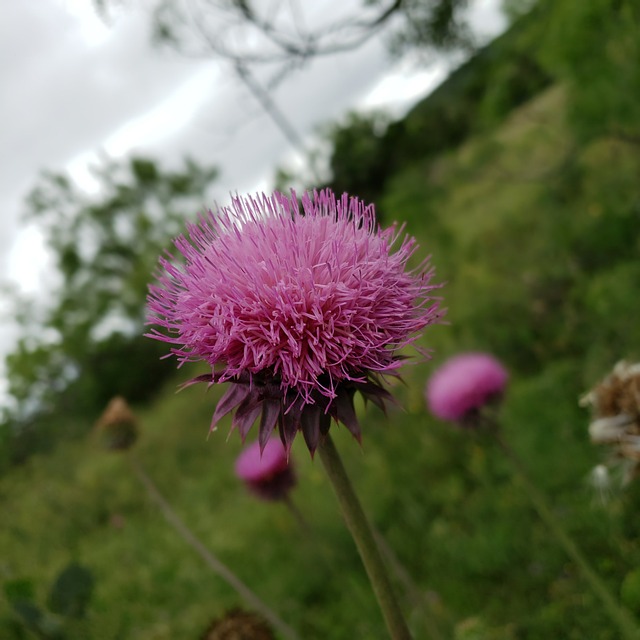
(117, 426)
(464, 385)
(268, 474)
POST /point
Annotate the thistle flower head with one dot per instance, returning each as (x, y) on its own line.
(464, 384)
(269, 473)
(298, 304)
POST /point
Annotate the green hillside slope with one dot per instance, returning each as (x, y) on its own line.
(534, 236)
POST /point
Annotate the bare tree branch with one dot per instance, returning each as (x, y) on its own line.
(280, 37)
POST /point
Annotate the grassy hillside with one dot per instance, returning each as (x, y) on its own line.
(534, 235)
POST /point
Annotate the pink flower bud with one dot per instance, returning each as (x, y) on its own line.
(464, 384)
(269, 475)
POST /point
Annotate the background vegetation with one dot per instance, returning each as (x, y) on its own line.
(520, 176)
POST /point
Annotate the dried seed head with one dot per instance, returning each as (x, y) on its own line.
(618, 393)
(615, 405)
(239, 625)
(117, 426)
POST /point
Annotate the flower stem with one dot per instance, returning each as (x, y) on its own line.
(419, 602)
(210, 560)
(626, 624)
(305, 527)
(364, 539)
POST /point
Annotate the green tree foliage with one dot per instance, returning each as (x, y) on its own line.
(85, 345)
(367, 149)
(438, 24)
(360, 157)
(103, 245)
(252, 33)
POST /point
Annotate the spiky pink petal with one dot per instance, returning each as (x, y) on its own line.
(302, 302)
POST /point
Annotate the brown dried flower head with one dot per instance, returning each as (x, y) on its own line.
(615, 403)
(239, 625)
(117, 426)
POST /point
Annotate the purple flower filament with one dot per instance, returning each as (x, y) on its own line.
(298, 303)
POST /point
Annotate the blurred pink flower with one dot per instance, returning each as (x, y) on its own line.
(464, 384)
(298, 309)
(267, 474)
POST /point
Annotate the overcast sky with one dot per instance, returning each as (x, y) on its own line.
(73, 86)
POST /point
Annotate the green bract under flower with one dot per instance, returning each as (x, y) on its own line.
(298, 304)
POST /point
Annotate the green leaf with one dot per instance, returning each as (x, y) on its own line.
(71, 591)
(38, 621)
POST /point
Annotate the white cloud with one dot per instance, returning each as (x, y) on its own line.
(169, 117)
(92, 27)
(28, 260)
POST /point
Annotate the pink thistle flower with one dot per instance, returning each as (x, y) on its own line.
(268, 473)
(298, 304)
(463, 385)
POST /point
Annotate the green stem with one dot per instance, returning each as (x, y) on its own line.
(418, 600)
(364, 539)
(210, 560)
(626, 624)
(297, 515)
